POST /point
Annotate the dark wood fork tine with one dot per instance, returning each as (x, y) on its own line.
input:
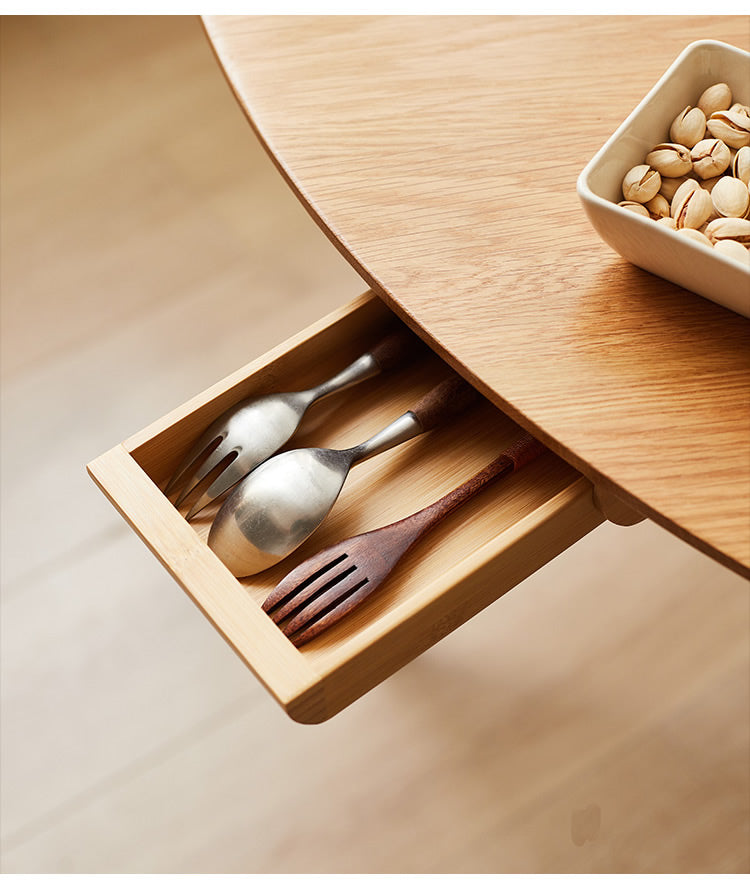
(309, 579)
(335, 592)
(301, 632)
(311, 595)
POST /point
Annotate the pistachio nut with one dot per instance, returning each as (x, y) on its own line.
(709, 183)
(741, 165)
(670, 185)
(670, 160)
(694, 235)
(658, 207)
(711, 158)
(688, 185)
(668, 222)
(691, 207)
(729, 227)
(688, 127)
(741, 108)
(730, 126)
(733, 249)
(715, 97)
(641, 184)
(731, 197)
(635, 207)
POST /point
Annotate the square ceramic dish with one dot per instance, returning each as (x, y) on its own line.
(639, 239)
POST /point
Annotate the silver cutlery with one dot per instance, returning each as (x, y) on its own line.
(254, 429)
(284, 500)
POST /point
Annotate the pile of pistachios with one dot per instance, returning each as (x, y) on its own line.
(698, 182)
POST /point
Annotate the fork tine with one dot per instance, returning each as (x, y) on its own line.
(334, 592)
(216, 455)
(315, 595)
(207, 484)
(327, 610)
(234, 469)
(192, 461)
(308, 580)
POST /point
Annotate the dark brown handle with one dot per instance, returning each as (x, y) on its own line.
(395, 349)
(520, 453)
(445, 400)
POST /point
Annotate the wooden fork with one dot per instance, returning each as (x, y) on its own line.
(326, 587)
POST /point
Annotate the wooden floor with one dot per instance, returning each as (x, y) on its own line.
(597, 718)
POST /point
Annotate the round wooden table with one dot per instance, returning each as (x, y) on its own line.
(440, 155)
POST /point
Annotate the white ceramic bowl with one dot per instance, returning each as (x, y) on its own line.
(639, 239)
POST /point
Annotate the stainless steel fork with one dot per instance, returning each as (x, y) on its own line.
(252, 430)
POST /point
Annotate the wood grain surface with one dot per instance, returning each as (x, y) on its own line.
(596, 718)
(440, 155)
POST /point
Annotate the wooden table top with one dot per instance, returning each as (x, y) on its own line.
(440, 155)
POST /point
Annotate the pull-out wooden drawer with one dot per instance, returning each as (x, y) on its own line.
(488, 546)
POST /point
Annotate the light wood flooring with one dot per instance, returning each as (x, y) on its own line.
(597, 718)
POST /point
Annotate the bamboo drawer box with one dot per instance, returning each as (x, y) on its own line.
(491, 544)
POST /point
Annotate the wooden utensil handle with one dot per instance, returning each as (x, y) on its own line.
(449, 398)
(395, 349)
(521, 452)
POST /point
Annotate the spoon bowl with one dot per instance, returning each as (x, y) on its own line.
(277, 507)
(284, 500)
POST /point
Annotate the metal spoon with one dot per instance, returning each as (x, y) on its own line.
(284, 500)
